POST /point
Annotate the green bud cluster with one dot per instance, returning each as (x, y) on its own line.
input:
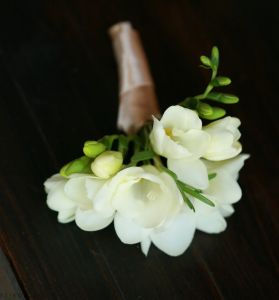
(98, 158)
(205, 110)
(91, 149)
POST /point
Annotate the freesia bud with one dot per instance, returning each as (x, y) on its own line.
(205, 60)
(205, 109)
(107, 164)
(79, 165)
(221, 81)
(92, 148)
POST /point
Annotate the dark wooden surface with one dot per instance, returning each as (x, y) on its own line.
(58, 87)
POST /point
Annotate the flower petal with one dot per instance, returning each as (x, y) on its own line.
(176, 238)
(209, 219)
(93, 185)
(52, 182)
(192, 172)
(57, 199)
(128, 231)
(224, 188)
(164, 145)
(102, 200)
(177, 116)
(226, 210)
(90, 220)
(66, 216)
(224, 135)
(196, 141)
(231, 166)
(145, 245)
(75, 190)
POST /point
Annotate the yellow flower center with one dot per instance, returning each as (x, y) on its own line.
(168, 132)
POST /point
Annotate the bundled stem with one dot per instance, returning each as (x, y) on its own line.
(137, 97)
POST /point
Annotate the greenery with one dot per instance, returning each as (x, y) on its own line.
(205, 110)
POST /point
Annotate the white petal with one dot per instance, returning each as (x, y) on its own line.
(224, 139)
(145, 245)
(57, 200)
(164, 145)
(230, 123)
(66, 216)
(192, 172)
(75, 190)
(175, 239)
(224, 188)
(179, 117)
(90, 220)
(102, 201)
(212, 223)
(226, 210)
(230, 166)
(93, 185)
(128, 231)
(52, 182)
(195, 141)
(209, 219)
(217, 153)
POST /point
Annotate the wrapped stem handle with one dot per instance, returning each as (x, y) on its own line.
(137, 99)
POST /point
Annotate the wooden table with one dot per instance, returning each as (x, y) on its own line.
(58, 87)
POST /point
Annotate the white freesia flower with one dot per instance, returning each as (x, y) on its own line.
(57, 199)
(148, 197)
(179, 134)
(172, 237)
(224, 136)
(73, 199)
(224, 191)
(149, 208)
(179, 137)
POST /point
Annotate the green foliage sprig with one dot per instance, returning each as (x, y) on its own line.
(205, 110)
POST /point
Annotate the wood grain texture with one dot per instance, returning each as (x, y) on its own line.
(8, 283)
(58, 87)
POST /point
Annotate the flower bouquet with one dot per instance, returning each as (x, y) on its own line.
(165, 176)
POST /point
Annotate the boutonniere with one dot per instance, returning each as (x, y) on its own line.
(165, 176)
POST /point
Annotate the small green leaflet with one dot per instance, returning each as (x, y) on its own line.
(108, 140)
(211, 176)
(142, 156)
(185, 188)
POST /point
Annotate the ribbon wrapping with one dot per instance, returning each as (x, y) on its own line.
(137, 98)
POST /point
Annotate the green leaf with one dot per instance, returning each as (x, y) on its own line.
(223, 98)
(196, 195)
(171, 173)
(215, 57)
(217, 113)
(211, 176)
(221, 81)
(190, 102)
(123, 144)
(142, 156)
(185, 198)
(108, 140)
(205, 60)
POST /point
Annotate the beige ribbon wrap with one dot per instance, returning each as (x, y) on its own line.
(137, 99)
